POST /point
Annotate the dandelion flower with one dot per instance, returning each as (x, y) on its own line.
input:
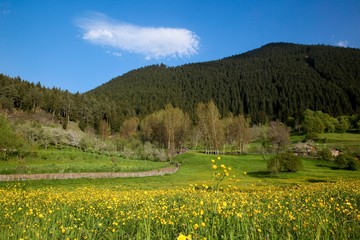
(184, 237)
(196, 226)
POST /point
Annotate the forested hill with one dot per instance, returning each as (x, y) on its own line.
(272, 82)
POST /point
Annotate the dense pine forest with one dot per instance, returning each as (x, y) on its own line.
(274, 82)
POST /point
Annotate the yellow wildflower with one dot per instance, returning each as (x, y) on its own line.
(196, 226)
(184, 237)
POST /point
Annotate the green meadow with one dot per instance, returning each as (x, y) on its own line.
(73, 160)
(237, 199)
(248, 170)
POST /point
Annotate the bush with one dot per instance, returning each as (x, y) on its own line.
(312, 136)
(10, 142)
(284, 162)
(346, 161)
(325, 154)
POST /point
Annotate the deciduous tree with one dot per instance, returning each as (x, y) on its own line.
(176, 125)
(279, 135)
(237, 131)
(167, 127)
(9, 141)
(129, 127)
(210, 125)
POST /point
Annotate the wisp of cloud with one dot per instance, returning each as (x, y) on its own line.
(153, 43)
(343, 43)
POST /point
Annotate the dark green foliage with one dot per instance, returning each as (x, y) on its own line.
(343, 124)
(325, 154)
(270, 83)
(312, 136)
(318, 122)
(347, 161)
(313, 122)
(284, 162)
(17, 94)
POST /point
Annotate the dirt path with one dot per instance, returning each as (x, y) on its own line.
(18, 177)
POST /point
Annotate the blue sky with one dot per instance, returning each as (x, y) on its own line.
(80, 44)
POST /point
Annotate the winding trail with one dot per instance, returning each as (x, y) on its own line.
(19, 177)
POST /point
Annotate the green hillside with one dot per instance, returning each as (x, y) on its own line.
(273, 82)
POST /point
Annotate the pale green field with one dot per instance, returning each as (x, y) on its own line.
(72, 160)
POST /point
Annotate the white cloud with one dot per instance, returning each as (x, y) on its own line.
(149, 41)
(342, 43)
(116, 54)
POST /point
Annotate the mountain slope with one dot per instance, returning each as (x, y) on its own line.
(275, 81)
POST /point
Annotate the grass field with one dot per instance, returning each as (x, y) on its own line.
(336, 140)
(341, 137)
(72, 160)
(195, 170)
(319, 202)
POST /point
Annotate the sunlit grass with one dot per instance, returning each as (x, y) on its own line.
(194, 169)
(243, 202)
(316, 211)
(341, 137)
(73, 160)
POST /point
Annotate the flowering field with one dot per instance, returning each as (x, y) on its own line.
(314, 211)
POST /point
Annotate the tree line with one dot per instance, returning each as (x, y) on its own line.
(18, 94)
(162, 134)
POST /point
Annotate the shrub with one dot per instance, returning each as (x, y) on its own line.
(312, 136)
(325, 154)
(346, 161)
(284, 162)
(10, 142)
